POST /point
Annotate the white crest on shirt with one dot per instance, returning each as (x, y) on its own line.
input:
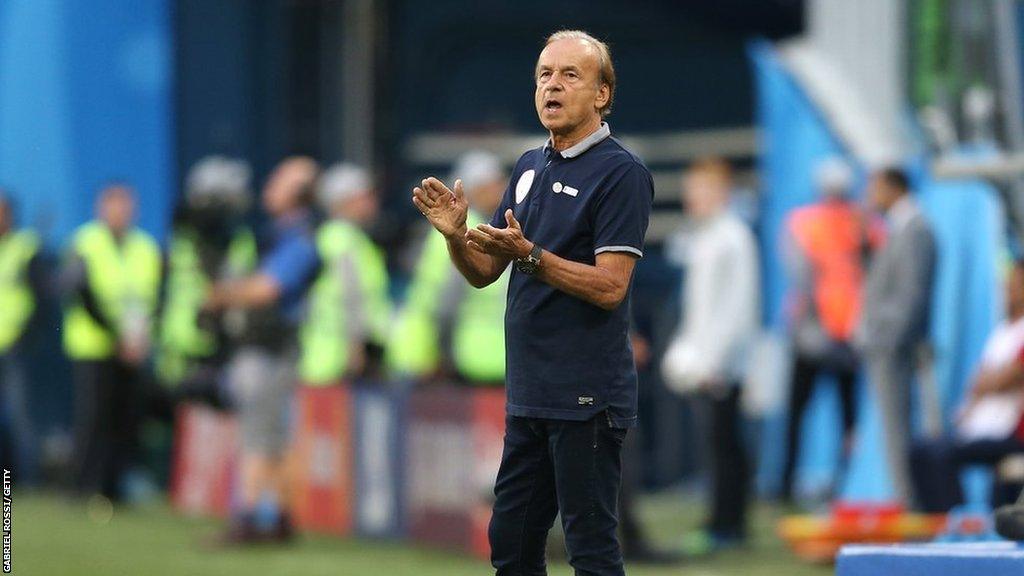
(523, 185)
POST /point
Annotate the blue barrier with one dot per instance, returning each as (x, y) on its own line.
(988, 558)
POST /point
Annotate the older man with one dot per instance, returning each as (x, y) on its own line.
(573, 220)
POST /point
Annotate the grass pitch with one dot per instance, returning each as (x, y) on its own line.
(54, 537)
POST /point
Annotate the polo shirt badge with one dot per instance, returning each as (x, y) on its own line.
(585, 400)
(558, 188)
(524, 184)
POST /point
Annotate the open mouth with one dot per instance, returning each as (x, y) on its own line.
(552, 105)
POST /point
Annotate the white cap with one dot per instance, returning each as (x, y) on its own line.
(342, 182)
(475, 168)
(218, 180)
(833, 176)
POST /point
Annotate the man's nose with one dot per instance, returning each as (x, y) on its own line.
(553, 85)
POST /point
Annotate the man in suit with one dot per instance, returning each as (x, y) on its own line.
(894, 323)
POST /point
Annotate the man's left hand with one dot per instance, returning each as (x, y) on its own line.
(508, 242)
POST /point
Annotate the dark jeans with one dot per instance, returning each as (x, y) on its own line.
(106, 425)
(552, 466)
(730, 466)
(805, 374)
(936, 464)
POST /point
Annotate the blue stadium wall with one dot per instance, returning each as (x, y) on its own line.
(967, 300)
(85, 97)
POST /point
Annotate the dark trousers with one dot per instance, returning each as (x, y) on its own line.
(106, 425)
(552, 466)
(805, 374)
(17, 439)
(935, 470)
(730, 466)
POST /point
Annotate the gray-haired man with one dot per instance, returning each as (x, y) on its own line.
(573, 219)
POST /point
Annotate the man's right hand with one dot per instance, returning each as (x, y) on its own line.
(446, 210)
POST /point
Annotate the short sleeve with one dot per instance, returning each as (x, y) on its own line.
(292, 264)
(623, 211)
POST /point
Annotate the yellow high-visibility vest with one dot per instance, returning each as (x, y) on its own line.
(125, 279)
(17, 302)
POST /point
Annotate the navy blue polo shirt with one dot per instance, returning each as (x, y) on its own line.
(568, 359)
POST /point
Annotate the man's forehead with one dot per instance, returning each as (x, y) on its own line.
(568, 51)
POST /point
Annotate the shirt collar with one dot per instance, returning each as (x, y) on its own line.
(583, 145)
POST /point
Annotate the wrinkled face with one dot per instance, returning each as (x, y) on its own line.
(283, 190)
(704, 193)
(117, 208)
(486, 197)
(569, 90)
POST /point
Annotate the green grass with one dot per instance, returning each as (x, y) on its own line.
(54, 537)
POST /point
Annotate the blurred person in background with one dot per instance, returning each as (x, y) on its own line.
(990, 424)
(20, 282)
(444, 327)
(894, 322)
(825, 252)
(708, 354)
(348, 310)
(208, 243)
(111, 281)
(261, 373)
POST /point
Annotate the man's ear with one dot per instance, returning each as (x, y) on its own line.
(603, 94)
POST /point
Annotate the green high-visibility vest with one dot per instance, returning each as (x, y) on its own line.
(373, 277)
(478, 333)
(125, 279)
(413, 345)
(182, 339)
(323, 334)
(16, 299)
(478, 336)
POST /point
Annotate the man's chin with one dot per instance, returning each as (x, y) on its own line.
(559, 126)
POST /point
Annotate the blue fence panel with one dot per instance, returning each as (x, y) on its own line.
(379, 459)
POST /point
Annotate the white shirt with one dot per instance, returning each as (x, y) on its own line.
(996, 416)
(721, 304)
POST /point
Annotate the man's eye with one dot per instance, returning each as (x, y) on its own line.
(571, 75)
(544, 75)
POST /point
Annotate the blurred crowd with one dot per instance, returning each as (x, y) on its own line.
(245, 305)
(239, 311)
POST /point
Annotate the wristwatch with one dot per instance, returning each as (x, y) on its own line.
(529, 264)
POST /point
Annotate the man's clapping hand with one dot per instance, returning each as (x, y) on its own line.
(446, 210)
(508, 242)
